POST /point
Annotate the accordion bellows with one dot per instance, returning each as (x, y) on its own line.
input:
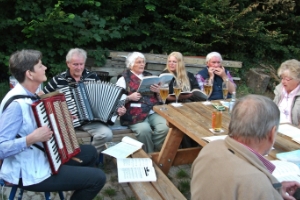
(93, 101)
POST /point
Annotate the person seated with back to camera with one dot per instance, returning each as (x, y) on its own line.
(26, 165)
(176, 66)
(218, 74)
(149, 127)
(235, 168)
(287, 93)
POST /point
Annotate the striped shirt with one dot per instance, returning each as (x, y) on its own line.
(65, 78)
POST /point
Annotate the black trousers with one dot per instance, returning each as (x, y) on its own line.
(84, 178)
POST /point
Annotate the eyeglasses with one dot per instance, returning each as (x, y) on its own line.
(285, 78)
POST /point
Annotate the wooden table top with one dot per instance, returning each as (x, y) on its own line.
(194, 120)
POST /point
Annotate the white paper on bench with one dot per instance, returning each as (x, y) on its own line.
(124, 148)
(135, 170)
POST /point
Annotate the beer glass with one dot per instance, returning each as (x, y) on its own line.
(177, 89)
(208, 87)
(216, 121)
(164, 92)
(225, 89)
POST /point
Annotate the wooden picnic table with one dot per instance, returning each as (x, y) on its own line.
(194, 119)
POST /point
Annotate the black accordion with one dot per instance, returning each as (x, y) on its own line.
(93, 101)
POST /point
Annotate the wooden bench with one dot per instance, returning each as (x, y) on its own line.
(156, 63)
(162, 189)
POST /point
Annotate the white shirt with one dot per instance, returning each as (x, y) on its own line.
(285, 105)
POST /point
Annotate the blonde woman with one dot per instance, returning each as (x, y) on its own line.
(287, 93)
(176, 66)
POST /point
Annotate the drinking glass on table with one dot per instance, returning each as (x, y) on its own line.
(177, 89)
(164, 92)
(208, 87)
(225, 89)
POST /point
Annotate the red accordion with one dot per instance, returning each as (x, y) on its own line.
(52, 111)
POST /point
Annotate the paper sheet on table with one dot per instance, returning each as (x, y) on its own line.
(289, 130)
(213, 138)
(225, 103)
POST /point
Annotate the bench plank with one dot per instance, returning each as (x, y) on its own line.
(163, 185)
(156, 63)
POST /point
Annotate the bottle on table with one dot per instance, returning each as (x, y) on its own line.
(232, 101)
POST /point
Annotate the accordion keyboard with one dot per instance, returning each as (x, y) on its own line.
(51, 144)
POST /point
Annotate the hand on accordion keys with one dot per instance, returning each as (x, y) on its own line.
(41, 134)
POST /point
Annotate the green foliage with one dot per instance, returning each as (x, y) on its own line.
(182, 174)
(4, 88)
(109, 192)
(249, 31)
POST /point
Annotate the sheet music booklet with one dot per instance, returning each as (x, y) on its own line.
(147, 81)
(135, 170)
(286, 171)
(124, 148)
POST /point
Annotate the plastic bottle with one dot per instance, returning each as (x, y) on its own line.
(232, 102)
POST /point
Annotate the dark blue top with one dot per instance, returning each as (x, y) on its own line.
(217, 92)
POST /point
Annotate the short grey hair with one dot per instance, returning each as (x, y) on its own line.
(23, 60)
(290, 68)
(132, 57)
(76, 51)
(213, 54)
(253, 117)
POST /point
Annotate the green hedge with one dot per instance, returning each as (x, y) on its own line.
(245, 30)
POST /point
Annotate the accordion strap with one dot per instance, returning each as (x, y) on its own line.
(18, 97)
(37, 146)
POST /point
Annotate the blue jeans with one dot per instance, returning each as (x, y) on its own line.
(84, 178)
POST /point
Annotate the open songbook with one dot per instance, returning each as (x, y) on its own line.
(147, 81)
(135, 170)
(124, 148)
(286, 171)
(290, 131)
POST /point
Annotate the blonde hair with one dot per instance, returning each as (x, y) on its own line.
(181, 73)
(290, 68)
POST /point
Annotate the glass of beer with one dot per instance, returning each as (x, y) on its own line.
(177, 89)
(216, 121)
(164, 92)
(208, 87)
(225, 89)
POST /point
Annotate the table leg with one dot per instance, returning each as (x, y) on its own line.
(169, 149)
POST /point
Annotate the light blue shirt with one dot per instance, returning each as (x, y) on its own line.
(10, 124)
(30, 163)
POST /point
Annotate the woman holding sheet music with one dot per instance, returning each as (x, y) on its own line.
(287, 93)
(24, 161)
(187, 80)
(149, 127)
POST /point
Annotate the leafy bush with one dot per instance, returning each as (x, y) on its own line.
(245, 30)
